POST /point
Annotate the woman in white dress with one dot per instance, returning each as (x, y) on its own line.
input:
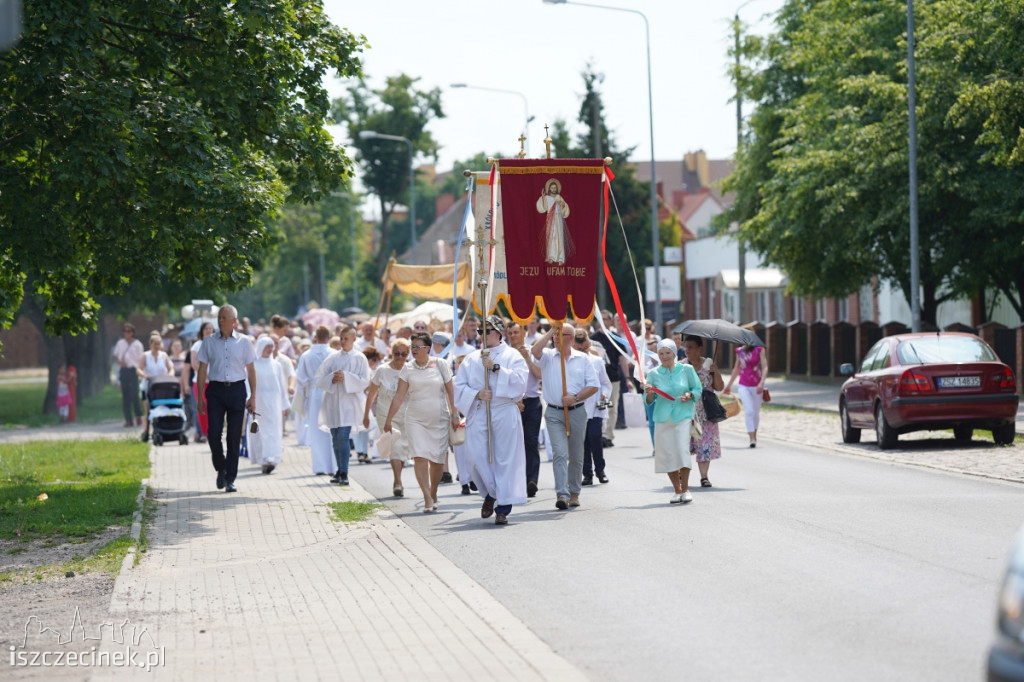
(266, 445)
(427, 382)
(154, 363)
(383, 385)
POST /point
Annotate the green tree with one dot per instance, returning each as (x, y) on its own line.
(632, 197)
(144, 143)
(308, 235)
(396, 109)
(821, 178)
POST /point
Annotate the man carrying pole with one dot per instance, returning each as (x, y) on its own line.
(494, 377)
(568, 379)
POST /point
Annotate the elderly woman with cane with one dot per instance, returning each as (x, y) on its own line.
(674, 389)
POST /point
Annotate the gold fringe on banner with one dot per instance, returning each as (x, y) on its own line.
(541, 170)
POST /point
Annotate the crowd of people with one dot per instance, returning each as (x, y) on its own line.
(402, 398)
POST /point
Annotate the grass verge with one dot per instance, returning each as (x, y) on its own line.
(353, 512)
(69, 489)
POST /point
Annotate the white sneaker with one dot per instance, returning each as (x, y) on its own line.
(686, 498)
(676, 499)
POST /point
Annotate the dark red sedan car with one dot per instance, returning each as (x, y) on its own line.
(926, 381)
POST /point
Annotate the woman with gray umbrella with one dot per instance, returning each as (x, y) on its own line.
(751, 365)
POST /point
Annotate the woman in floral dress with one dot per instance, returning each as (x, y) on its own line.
(709, 445)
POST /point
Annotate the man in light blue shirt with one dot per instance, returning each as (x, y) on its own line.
(227, 358)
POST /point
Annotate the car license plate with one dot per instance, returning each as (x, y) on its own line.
(959, 382)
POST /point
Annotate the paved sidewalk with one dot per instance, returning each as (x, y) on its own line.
(263, 585)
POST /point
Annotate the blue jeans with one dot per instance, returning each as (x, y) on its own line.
(361, 441)
(566, 453)
(342, 451)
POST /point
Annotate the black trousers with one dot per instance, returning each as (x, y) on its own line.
(593, 448)
(130, 402)
(225, 402)
(532, 414)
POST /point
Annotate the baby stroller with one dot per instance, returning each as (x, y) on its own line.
(166, 410)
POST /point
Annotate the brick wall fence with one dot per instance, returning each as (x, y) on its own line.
(23, 344)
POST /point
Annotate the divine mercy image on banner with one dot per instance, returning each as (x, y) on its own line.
(551, 210)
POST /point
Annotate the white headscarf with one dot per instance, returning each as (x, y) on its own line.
(668, 343)
(261, 346)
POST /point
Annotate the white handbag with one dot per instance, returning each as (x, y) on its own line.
(633, 407)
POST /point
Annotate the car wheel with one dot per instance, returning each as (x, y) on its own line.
(885, 433)
(850, 434)
(1004, 435)
(963, 433)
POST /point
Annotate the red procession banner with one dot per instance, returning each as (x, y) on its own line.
(550, 211)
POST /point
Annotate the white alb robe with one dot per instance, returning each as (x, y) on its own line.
(504, 478)
(343, 401)
(321, 449)
(266, 445)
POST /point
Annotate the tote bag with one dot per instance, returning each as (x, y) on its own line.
(633, 407)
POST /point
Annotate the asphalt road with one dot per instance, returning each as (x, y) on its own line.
(800, 564)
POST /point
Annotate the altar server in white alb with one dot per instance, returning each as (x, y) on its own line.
(500, 476)
(343, 377)
(309, 362)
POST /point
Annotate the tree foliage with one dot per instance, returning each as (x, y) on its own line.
(632, 197)
(308, 236)
(143, 143)
(396, 109)
(822, 176)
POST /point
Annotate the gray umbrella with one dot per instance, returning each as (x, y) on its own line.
(719, 330)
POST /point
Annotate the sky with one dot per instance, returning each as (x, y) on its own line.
(540, 50)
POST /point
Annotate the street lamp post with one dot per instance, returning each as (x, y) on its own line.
(915, 273)
(741, 311)
(654, 182)
(373, 135)
(526, 107)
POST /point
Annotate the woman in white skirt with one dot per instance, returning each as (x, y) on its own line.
(673, 389)
(383, 385)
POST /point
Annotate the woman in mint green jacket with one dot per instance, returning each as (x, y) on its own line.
(673, 388)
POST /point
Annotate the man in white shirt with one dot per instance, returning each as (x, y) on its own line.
(227, 357)
(128, 351)
(580, 383)
(368, 338)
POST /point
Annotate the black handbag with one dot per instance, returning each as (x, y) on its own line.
(713, 406)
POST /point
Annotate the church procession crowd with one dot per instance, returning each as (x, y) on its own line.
(493, 395)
